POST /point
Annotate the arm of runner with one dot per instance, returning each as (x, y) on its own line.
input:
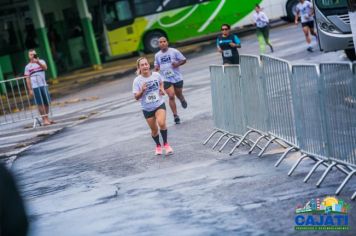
(311, 9)
(161, 88)
(181, 60)
(137, 90)
(139, 94)
(156, 64)
(265, 18)
(236, 43)
(178, 63)
(296, 17)
(218, 46)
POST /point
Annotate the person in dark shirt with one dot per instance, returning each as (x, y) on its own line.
(227, 45)
(13, 219)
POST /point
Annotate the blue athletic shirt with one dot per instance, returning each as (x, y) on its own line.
(224, 44)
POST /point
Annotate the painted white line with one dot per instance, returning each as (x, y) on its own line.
(211, 18)
(180, 20)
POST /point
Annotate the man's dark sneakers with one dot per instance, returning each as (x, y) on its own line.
(184, 104)
(310, 49)
(176, 119)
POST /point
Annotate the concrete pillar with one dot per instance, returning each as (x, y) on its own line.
(42, 36)
(89, 35)
(2, 85)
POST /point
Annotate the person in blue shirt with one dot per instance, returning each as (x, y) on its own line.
(227, 45)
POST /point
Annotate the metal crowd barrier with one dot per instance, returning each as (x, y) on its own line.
(305, 108)
(227, 99)
(277, 75)
(338, 83)
(254, 99)
(18, 103)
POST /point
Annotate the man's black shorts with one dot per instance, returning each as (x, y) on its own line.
(149, 114)
(309, 24)
(231, 60)
(179, 84)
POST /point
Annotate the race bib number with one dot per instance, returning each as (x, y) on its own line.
(168, 73)
(152, 97)
(227, 53)
(260, 24)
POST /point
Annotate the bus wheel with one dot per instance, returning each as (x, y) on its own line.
(350, 53)
(151, 42)
(291, 9)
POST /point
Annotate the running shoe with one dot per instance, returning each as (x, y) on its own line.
(176, 119)
(184, 104)
(158, 150)
(310, 49)
(271, 49)
(169, 150)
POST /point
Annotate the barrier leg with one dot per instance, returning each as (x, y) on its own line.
(218, 141)
(210, 136)
(313, 170)
(242, 141)
(284, 156)
(257, 141)
(266, 146)
(326, 172)
(296, 164)
(36, 121)
(347, 179)
(226, 142)
(353, 196)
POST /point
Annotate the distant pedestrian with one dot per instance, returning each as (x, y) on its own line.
(262, 29)
(167, 62)
(37, 85)
(148, 88)
(227, 45)
(13, 218)
(306, 11)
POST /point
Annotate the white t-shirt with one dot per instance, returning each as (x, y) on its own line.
(151, 98)
(305, 10)
(36, 73)
(260, 19)
(164, 60)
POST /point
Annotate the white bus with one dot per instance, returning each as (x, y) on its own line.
(333, 24)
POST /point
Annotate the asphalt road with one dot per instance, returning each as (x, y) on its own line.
(100, 177)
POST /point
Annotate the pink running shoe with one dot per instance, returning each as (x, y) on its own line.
(158, 150)
(169, 150)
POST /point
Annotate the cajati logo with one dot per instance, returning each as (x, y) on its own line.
(329, 213)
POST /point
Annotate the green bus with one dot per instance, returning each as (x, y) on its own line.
(136, 25)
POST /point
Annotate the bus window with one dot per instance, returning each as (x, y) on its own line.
(172, 4)
(147, 7)
(123, 10)
(331, 4)
(117, 14)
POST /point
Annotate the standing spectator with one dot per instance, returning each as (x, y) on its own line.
(37, 85)
(262, 23)
(227, 45)
(306, 11)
